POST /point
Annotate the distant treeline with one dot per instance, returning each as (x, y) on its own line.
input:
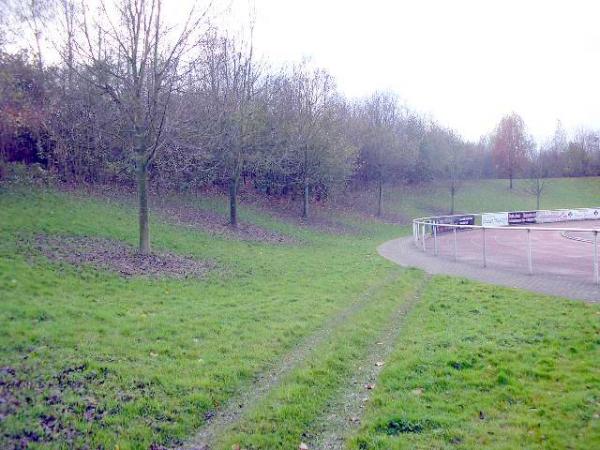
(182, 107)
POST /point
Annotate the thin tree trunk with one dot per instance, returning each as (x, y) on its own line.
(305, 182)
(452, 194)
(305, 200)
(233, 203)
(142, 180)
(379, 196)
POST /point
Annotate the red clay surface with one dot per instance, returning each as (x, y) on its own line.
(506, 249)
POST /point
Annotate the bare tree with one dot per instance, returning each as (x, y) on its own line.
(310, 106)
(536, 182)
(230, 79)
(134, 57)
(388, 137)
(455, 166)
(510, 146)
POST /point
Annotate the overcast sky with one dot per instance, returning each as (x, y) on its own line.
(465, 62)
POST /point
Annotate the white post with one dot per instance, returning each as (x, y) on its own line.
(529, 256)
(424, 248)
(435, 244)
(455, 245)
(484, 255)
(596, 274)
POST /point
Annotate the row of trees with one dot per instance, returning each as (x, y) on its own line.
(130, 97)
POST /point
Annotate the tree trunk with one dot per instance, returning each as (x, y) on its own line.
(142, 179)
(379, 196)
(305, 201)
(233, 203)
(305, 182)
(452, 194)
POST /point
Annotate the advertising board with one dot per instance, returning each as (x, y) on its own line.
(467, 219)
(494, 219)
(522, 217)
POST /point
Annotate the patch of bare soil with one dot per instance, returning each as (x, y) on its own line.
(66, 396)
(322, 216)
(119, 257)
(180, 212)
(185, 215)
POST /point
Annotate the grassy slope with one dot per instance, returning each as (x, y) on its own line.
(171, 349)
(159, 354)
(493, 195)
(488, 367)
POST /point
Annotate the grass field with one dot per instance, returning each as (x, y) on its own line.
(492, 195)
(90, 357)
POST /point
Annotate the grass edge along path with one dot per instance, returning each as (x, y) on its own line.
(488, 367)
(283, 419)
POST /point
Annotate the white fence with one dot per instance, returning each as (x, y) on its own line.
(427, 229)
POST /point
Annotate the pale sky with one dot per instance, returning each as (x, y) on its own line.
(464, 62)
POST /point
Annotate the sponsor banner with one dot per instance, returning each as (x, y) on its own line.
(591, 213)
(576, 214)
(467, 219)
(522, 217)
(494, 219)
(556, 215)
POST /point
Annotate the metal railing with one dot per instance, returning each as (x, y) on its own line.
(430, 228)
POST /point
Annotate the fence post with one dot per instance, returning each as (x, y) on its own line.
(455, 245)
(596, 274)
(435, 244)
(484, 255)
(424, 248)
(529, 256)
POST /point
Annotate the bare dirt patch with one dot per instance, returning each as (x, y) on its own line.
(186, 215)
(182, 212)
(118, 257)
(65, 395)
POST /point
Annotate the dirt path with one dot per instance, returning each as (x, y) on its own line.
(235, 409)
(343, 415)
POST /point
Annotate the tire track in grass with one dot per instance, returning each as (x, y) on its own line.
(245, 400)
(286, 416)
(343, 415)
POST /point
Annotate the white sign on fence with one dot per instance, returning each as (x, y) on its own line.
(549, 216)
(494, 219)
(591, 213)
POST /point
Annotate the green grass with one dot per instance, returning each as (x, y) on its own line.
(172, 349)
(287, 412)
(492, 195)
(486, 367)
(131, 362)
